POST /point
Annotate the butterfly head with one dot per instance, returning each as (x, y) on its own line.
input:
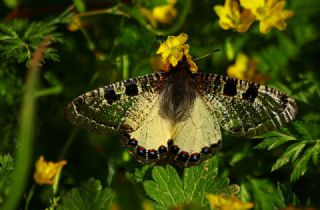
(175, 52)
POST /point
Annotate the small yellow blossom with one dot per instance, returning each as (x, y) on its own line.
(225, 203)
(75, 23)
(270, 13)
(173, 50)
(245, 69)
(231, 18)
(163, 14)
(45, 172)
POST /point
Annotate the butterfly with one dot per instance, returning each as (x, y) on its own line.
(178, 115)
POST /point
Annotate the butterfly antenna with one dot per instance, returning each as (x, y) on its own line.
(206, 55)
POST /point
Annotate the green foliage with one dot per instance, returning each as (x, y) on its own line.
(304, 148)
(264, 193)
(89, 195)
(6, 170)
(115, 41)
(168, 190)
(19, 39)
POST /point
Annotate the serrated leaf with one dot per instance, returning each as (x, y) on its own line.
(168, 190)
(6, 172)
(305, 135)
(265, 196)
(291, 153)
(274, 140)
(302, 130)
(139, 173)
(20, 39)
(90, 195)
(316, 154)
(301, 165)
(195, 181)
(288, 195)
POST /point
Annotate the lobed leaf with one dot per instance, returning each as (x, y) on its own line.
(90, 195)
(168, 190)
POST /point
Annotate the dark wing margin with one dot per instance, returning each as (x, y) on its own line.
(105, 110)
(245, 108)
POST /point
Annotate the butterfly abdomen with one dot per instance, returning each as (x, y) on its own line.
(178, 95)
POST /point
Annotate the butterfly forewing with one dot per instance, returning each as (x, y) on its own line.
(178, 115)
(245, 108)
(120, 107)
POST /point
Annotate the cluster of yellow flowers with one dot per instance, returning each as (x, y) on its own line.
(173, 50)
(270, 14)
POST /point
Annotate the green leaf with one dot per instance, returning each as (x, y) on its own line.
(288, 195)
(273, 140)
(155, 3)
(140, 173)
(306, 146)
(265, 196)
(301, 165)
(291, 153)
(6, 175)
(11, 3)
(80, 5)
(168, 190)
(19, 38)
(302, 130)
(90, 195)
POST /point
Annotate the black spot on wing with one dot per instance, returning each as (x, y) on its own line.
(152, 154)
(131, 88)
(283, 101)
(110, 95)
(251, 93)
(230, 88)
(183, 156)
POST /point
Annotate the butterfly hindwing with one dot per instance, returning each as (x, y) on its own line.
(137, 109)
(245, 108)
(116, 108)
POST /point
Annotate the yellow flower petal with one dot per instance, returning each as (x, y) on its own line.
(173, 50)
(231, 18)
(75, 23)
(245, 69)
(225, 203)
(163, 14)
(253, 5)
(270, 13)
(192, 65)
(246, 19)
(45, 171)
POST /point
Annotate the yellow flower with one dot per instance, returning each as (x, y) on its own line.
(45, 172)
(163, 14)
(245, 69)
(173, 50)
(270, 13)
(224, 203)
(75, 23)
(231, 18)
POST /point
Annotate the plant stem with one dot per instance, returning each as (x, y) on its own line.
(29, 197)
(26, 131)
(68, 143)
